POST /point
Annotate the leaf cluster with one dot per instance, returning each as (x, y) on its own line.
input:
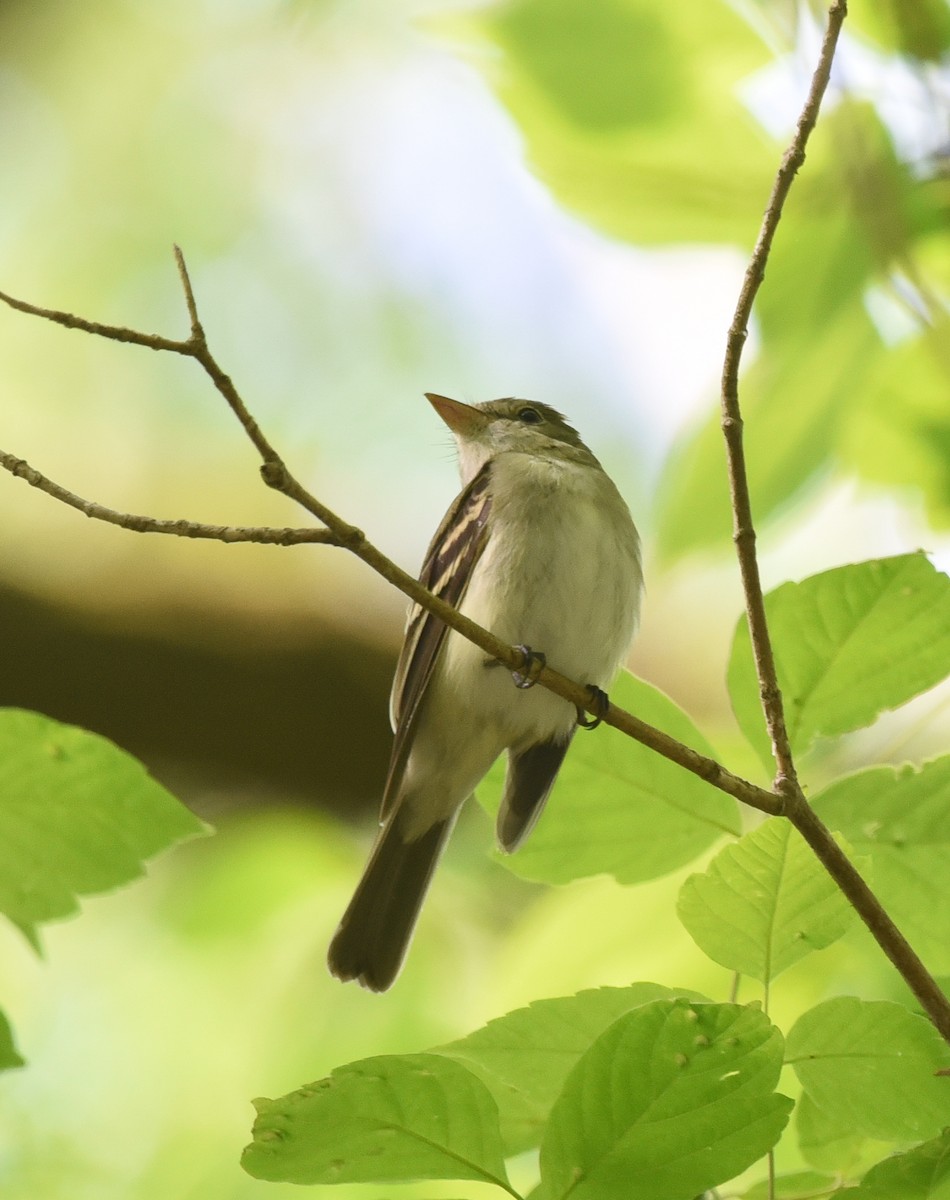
(655, 1091)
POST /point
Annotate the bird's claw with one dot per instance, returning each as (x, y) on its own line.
(600, 702)
(534, 664)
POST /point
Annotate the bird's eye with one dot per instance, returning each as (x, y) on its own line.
(530, 416)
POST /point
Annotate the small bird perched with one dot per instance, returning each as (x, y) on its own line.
(540, 548)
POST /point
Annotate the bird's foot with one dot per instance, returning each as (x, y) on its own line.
(534, 664)
(600, 702)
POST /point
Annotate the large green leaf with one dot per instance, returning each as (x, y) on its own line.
(77, 816)
(849, 644)
(384, 1119)
(672, 1098)
(921, 1174)
(525, 1056)
(620, 809)
(873, 1065)
(764, 903)
(900, 816)
(620, 103)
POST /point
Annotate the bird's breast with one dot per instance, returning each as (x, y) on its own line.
(561, 570)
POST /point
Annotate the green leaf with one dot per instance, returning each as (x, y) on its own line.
(524, 1057)
(802, 1185)
(9, 1057)
(619, 103)
(79, 816)
(381, 1120)
(918, 28)
(900, 434)
(673, 1098)
(763, 903)
(900, 816)
(921, 1174)
(827, 1140)
(642, 816)
(872, 1064)
(849, 644)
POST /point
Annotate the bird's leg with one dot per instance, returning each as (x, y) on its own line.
(600, 702)
(534, 664)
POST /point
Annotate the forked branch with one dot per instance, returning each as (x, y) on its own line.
(786, 798)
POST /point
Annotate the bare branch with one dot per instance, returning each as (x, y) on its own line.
(787, 797)
(794, 805)
(115, 333)
(743, 528)
(263, 534)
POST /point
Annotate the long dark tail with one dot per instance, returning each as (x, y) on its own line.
(374, 934)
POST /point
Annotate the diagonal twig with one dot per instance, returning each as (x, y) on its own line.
(263, 534)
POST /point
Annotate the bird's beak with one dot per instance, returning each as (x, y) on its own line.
(462, 419)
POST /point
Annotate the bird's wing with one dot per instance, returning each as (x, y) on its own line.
(456, 548)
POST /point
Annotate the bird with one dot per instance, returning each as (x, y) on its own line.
(539, 547)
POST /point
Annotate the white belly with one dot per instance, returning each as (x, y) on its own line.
(555, 576)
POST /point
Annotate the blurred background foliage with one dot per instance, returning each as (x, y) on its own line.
(549, 198)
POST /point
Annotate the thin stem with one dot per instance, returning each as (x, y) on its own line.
(743, 527)
(264, 534)
(786, 785)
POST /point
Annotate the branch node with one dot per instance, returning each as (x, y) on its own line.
(274, 474)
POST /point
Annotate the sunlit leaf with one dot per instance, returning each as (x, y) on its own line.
(873, 1064)
(525, 1056)
(849, 644)
(641, 815)
(384, 1119)
(764, 903)
(921, 1174)
(620, 102)
(79, 816)
(900, 434)
(672, 1098)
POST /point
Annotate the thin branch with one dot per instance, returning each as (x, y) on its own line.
(115, 333)
(354, 540)
(787, 797)
(743, 528)
(793, 803)
(263, 534)
(875, 917)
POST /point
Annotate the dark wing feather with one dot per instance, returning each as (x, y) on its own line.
(452, 554)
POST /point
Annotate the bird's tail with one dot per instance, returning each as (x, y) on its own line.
(374, 933)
